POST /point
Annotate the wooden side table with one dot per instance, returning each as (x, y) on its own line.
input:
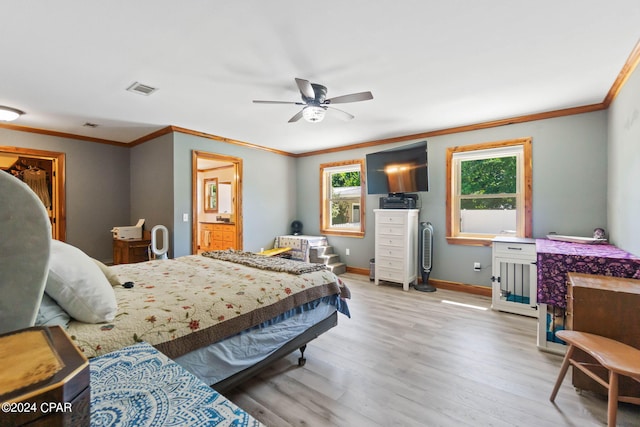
(131, 250)
(44, 379)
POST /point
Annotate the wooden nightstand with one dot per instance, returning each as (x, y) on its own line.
(132, 250)
(55, 375)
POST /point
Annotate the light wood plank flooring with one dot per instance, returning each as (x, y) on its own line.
(408, 359)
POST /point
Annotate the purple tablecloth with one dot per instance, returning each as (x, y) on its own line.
(556, 259)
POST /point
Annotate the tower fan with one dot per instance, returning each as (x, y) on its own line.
(155, 252)
(426, 257)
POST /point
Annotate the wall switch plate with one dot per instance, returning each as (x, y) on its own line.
(348, 252)
(476, 266)
(185, 217)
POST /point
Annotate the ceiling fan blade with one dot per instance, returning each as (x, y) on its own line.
(305, 88)
(341, 114)
(354, 97)
(277, 102)
(297, 117)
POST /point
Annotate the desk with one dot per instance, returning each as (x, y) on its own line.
(300, 245)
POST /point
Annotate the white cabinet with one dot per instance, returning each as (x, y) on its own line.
(396, 251)
(514, 281)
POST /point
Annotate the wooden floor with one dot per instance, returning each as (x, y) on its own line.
(409, 359)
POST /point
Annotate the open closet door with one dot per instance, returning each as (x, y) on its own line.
(43, 171)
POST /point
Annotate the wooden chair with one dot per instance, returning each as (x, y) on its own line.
(616, 357)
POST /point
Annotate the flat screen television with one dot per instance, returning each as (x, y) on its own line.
(398, 170)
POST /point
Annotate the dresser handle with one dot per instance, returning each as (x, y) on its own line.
(511, 248)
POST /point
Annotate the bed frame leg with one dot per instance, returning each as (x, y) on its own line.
(302, 360)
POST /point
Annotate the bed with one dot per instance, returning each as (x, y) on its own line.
(193, 309)
(222, 315)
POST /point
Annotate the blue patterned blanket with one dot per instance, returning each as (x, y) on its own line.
(139, 386)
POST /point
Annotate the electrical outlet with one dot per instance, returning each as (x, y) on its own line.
(348, 251)
(476, 266)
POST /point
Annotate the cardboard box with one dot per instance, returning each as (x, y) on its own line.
(128, 232)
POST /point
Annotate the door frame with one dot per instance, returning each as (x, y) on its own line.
(58, 198)
(236, 194)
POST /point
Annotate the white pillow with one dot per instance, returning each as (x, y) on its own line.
(79, 286)
(112, 277)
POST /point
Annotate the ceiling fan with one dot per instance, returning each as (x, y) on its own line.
(316, 103)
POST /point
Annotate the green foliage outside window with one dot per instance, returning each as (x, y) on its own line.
(340, 208)
(345, 179)
(494, 176)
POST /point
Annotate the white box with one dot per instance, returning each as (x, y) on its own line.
(128, 232)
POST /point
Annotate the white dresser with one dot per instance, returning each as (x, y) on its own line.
(396, 251)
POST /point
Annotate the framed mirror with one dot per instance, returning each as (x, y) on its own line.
(211, 195)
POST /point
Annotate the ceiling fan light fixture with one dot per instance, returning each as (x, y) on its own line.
(313, 113)
(8, 114)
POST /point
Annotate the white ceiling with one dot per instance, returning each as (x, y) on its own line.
(429, 64)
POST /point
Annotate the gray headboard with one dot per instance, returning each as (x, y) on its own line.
(25, 241)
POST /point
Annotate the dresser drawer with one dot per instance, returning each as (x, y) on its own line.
(515, 249)
(389, 240)
(387, 273)
(389, 262)
(390, 251)
(391, 218)
(390, 229)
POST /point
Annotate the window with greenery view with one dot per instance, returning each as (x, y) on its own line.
(489, 191)
(342, 193)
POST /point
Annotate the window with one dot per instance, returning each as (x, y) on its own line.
(489, 191)
(342, 193)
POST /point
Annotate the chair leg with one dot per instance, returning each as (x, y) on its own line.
(563, 371)
(612, 406)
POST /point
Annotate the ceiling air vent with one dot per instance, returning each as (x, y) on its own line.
(141, 89)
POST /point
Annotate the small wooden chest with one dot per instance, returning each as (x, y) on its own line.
(45, 378)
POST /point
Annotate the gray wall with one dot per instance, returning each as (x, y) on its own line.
(97, 187)
(109, 185)
(152, 184)
(624, 167)
(268, 191)
(569, 190)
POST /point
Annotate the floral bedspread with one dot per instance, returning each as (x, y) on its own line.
(182, 304)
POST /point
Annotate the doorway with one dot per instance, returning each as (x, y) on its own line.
(44, 172)
(216, 202)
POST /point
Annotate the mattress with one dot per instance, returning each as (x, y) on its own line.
(218, 361)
